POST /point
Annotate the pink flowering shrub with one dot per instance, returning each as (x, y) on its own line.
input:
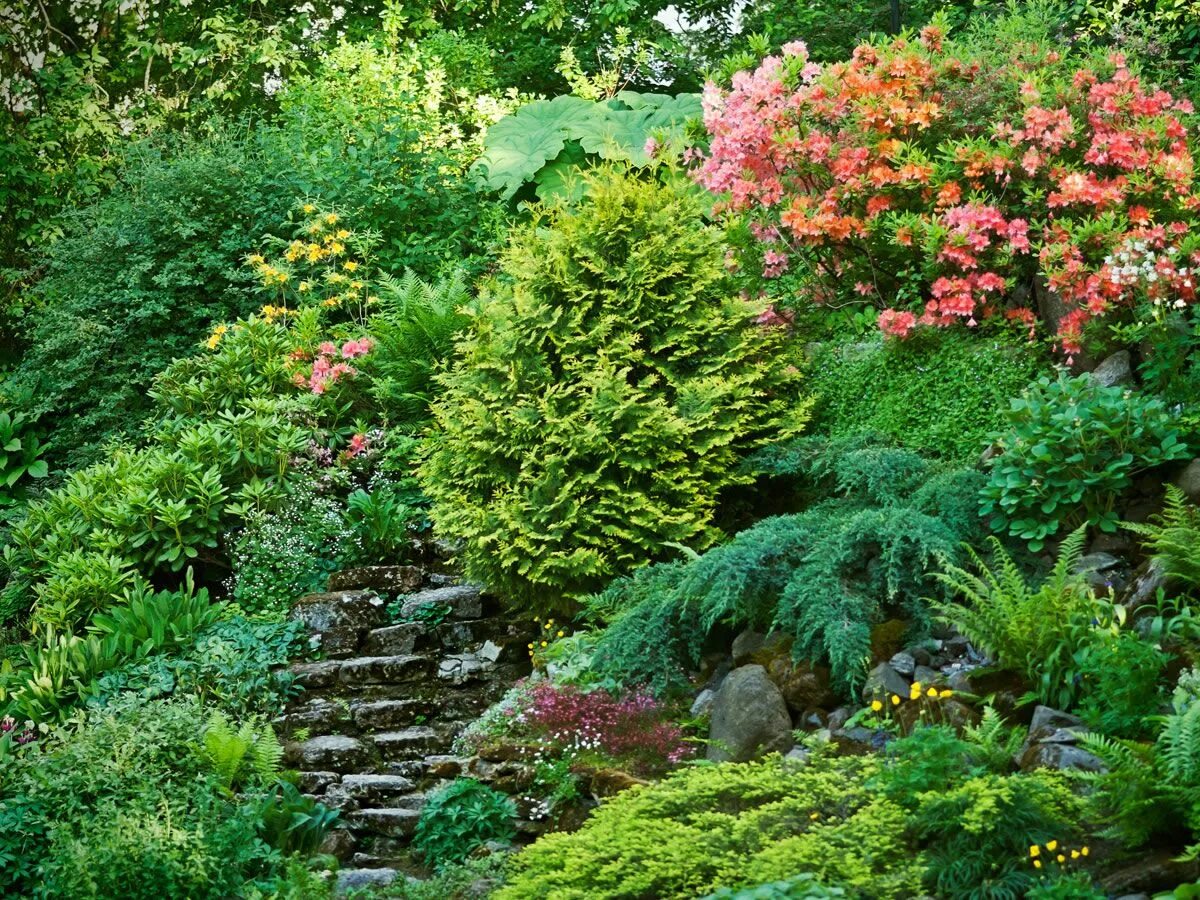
(329, 364)
(632, 729)
(944, 187)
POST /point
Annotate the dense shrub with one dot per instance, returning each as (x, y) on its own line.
(942, 395)
(1069, 448)
(458, 818)
(945, 179)
(598, 406)
(825, 576)
(729, 825)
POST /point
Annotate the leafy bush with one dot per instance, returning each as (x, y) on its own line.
(597, 409)
(458, 818)
(732, 825)
(825, 576)
(293, 823)
(926, 211)
(20, 456)
(801, 887)
(1070, 447)
(1173, 537)
(543, 143)
(942, 396)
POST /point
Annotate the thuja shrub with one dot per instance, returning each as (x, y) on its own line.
(946, 180)
(734, 825)
(600, 403)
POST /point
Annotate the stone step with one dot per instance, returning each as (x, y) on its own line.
(372, 789)
(388, 822)
(317, 782)
(320, 715)
(332, 753)
(368, 670)
(384, 579)
(415, 742)
(463, 601)
(388, 715)
(393, 640)
(340, 619)
(356, 879)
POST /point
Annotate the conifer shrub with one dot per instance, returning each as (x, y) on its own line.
(883, 519)
(603, 397)
(734, 825)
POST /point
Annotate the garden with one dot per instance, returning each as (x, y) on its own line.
(737, 450)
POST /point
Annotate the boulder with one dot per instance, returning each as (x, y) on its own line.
(749, 717)
(1188, 480)
(1054, 755)
(333, 752)
(1114, 370)
(340, 619)
(384, 579)
(463, 601)
(354, 879)
(803, 685)
(703, 702)
(906, 663)
(883, 681)
(755, 647)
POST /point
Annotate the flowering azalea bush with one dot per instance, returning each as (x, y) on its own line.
(945, 186)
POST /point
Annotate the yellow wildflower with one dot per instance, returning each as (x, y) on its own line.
(215, 337)
(1084, 851)
(1074, 854)
(343, 234)
(255, 259)
(1035, 851)
(1061, 859)
(895, 699)
(876, 706)
(303, 286)
(349, 265)
(1051, 846)
(544, 644)
(814, 816)
(559, 634)
(308, 209)
(331, 219)
(946, 693)
(336, 247)
(933, 692)
(1037, 863)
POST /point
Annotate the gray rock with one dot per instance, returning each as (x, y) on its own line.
(394, 640)
(385, 579)
(746, 643)
(926, 675)
(1150, 576)
(489, 652)
(1188, 480)
(465, 601)
(1047, 719)
(883, 681)
(459, 668)
(703, 702)
(749, 717)
(333, 752)
(1096, 562)
(340, 618)
(383, 670)
(1114, 370)
(351, 879)
(1059, 756)
(388, 822)
(905, 663)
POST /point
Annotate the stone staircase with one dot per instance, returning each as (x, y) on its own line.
(372, 731)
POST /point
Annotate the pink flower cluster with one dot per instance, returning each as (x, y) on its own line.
(632, 729)
(327, 369)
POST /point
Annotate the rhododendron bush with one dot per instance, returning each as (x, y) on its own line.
(945, 185)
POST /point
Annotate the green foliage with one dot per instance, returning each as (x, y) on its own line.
(414, 331)
(800, 887)
(1074, 886)
(994, 742)
(729, 825)
(1071, 447)
(234, 757)
(941, 393)
(459, 817)
(544, 142)
(20, 456)
(291, 822)
(235, 664)
(599, 406)
(1173, 537)
(980, 831)
(1150, 789)
(825, 576)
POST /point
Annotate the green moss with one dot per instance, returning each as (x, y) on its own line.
(942, 393)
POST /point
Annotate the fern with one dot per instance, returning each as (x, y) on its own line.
(235, 756)
(1173, 537)
(1024, 627)
(997, 742)
(266, 756)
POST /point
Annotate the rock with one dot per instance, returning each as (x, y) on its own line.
(1188, 480)
(375, 715)
(383, 670)
(947, 711)
(749, 717)
(1150, 576)
(489, 652)
(1059, 756)
(1118, 543)
(956, 647)
(840, 717)
(316, 674)
(388, 822)
(384, 579)
(317, 782)
(340, 618)
(859, 741)
(703, 702)
(754, 647)
(319, 715)
(371, 788)
(334, 752)
(604, 783)
(459, 668)
(905, 663)
(887, 639)
(1151, 872)
(464, 601)
(338, 843)
(1114, 370)
(1095, 562)
(352, 879)
(408, 743)
(1047, 719)
(883, 681)
(446, 766)
(926, 675)
(394, 640)
(803, 685)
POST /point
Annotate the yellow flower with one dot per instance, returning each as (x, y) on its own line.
(303, 286)
(531, 646)
(357, 285)
(308, 209)
(1061, 858)
(933, 692)
(343, 234)
(1084, 851)
(544, 644)
(215, 337)
(914, 692)
(1074, 854)
(946, 693)
(1037, 863)
(895, 699)
(331, 219)
(1052, 845)
(336, 247)
(876, 706)
(255, 259)
(559, 634)
(1035, 851)
(349, 265)
(814, 816)
(332, 301)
